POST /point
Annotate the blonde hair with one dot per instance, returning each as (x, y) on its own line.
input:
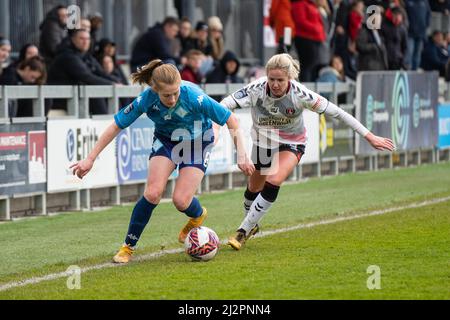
(285, 62)
(156, 72)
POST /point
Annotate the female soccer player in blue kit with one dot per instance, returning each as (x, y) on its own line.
(183, 137)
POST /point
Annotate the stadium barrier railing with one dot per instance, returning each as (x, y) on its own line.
(77, 108)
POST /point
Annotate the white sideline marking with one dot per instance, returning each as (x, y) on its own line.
(156, 255)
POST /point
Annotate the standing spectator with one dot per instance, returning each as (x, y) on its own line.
(27, 72)
(53, 31)
(76, 66)
(5, 51)
(280, 17)
(215, 29)
(199, 40)
(435, 55)
(155, 44)
(324, 52)
(309, 36)
(96, 21)
(419, 13)
(395, 37)
(372, 54)
(191, 71)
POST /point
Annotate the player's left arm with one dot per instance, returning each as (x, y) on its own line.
(321, 105)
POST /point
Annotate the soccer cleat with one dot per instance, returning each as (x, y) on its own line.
(238, 240)
(124, 254)
(252, 232)
(192, 223)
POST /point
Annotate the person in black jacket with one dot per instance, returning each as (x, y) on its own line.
(74, 65)
(395, 38)
(31, 71)
(155, 44)
(372, 54)
(53, 31)
(225, 72)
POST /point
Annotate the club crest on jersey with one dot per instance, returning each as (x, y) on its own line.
(128, 109)
(290, 111)
(241, 94)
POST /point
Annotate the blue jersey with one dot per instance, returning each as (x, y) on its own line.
(193, 112)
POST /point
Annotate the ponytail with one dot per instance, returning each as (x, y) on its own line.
(156, 72)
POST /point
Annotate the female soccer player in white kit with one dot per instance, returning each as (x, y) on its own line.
(279, 136)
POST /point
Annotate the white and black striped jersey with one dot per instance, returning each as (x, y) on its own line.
(280, 120)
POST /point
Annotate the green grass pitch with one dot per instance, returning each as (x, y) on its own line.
(331, 261)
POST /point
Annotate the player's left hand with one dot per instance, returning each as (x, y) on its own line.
(380, 143)
(246, 166)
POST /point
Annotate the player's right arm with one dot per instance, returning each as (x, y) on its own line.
(80, 169)
(122, 119)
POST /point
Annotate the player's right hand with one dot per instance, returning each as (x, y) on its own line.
(80, 169)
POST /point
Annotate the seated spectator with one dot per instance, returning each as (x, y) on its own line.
(107, 47)
(199, 40)
(215, 29)
(28, 72)
(191, 71)
(74, 65)
(333, 73)
(5, 51)
(28, 51)
(53, 31)
(155, 44)
(435, 55)
(184, 35)
(225, 72)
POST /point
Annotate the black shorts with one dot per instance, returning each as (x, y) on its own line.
(262, 158)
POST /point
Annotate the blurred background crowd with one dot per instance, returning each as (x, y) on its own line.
(333, 39)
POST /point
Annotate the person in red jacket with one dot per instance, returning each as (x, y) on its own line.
(191, 71)
(280, 17)
(309, 36)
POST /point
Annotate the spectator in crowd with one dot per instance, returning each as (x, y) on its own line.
(107, 47)
(27, 51)
(395, 38)
(333, 73)
(215, 29)
(355, 20)
(74, 65)
(155, 44)
(184, 35)
(225, 72)
(435, 55)
(85, 24)
(372, 54)
(419, 13)
(280, 17)
(441, 6)
(309, 36)
(28, 72)
(191, 71)
(53, 31)
(5, 51)
(96, 21)
(199, 40)
(324, 52)
(340, 41)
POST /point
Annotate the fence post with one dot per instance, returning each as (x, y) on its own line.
(5, 209)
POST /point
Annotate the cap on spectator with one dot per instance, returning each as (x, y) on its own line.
(201, 26)
(214, 23)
